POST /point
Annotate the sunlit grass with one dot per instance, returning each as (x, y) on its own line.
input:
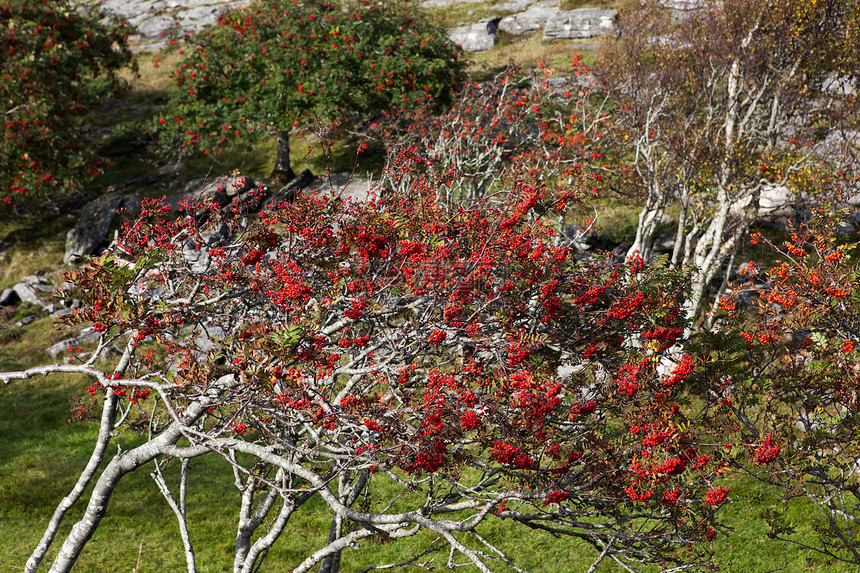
(29, 245)
(530, 51)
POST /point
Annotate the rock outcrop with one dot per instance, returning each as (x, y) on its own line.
(92, 227)
(478, 37)
(157, 19)
(533, 19)
(581, 23)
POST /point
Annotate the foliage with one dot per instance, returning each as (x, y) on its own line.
(518, 124)
(790, 410)
(59, 62)
(720, 107)
(279, 64)
(435, 346)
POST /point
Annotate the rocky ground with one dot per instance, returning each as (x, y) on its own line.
(157, 19)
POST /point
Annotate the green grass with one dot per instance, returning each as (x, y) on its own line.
(30, 245)
(462, 14)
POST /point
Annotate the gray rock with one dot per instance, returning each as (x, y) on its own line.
(38, 278)
(155, 19)
(581, 23)
(60, 347)
(513, 6)
(215, 237)
(27, 293)
(841, 149)
(346, 186)
(25, 321)
(777, 201)
(200, 192)
(43, 287)
(478, 37)
(208, 339)
(665, 243)
(86, 335)
(198, 17)
(682, 5)
(155, 26)
(288, 192)
(446, 3)
(197, 255)
(531, 20)
(234, 186)
(839, 85)
(92, 227)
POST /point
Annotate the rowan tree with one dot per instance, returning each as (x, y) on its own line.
(786, 379)
(60, 62)
(277, 65)
(448, 349)
(716, 108)
(532, 123)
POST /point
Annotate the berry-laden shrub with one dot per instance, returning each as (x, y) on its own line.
(59, 62)
(449, 349)
(786, 380)
(277, 65)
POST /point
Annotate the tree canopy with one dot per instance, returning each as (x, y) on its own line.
(59, 62)
(280, 64)
(435, 346)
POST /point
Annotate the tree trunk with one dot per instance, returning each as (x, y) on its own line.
(282, 171)
(331, 563)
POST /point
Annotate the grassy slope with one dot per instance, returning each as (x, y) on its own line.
(41, 453)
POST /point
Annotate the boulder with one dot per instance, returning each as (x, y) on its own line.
(513, 6)
(199, 17)
(92, 227)
(347, 186)
(839, 85)
(681, 5)
(777, 201)
(155, 26)
(581, 23)
(86, 335)
(207, 339)
(203, 191)
(665, 243)
(155, 19)
(446, 3)
(478, 37)
(531, 20)
(197, 255)
(841, 149)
